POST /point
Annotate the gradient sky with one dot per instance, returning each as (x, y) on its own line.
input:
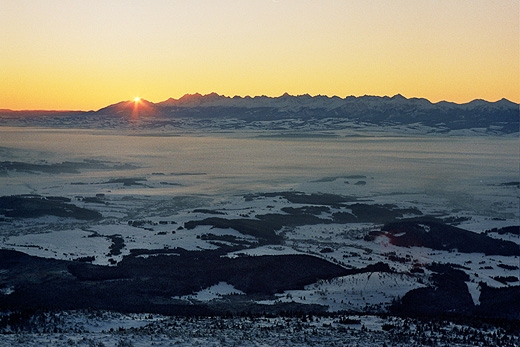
(86, 54)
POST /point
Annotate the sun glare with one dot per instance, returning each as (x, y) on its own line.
(137, 99)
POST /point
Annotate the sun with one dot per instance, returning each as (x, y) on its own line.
(137, 99)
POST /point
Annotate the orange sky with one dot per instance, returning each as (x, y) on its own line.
(59, 54)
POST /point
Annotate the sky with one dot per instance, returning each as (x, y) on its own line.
(86, 54)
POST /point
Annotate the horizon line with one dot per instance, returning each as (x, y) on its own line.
(133, 99)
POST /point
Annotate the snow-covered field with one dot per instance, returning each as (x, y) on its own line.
(147, 187)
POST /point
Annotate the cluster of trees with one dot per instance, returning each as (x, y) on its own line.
(454, 330)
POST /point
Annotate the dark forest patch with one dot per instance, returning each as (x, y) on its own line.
(303, 198)
(513, 230)
(127, 182)
(315, 210)
(265, 231)
(34, 206)
(445, 237)
(448, 293)
(499, 302)
(208, 211)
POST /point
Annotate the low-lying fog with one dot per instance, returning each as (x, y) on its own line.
(463, 170)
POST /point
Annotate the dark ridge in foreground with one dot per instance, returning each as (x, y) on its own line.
(154, 282)
(149, 284)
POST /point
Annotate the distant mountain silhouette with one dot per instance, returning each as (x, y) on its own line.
(132, 108)
(302, 112)
(502, 115)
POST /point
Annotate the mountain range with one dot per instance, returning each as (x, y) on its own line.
(303, 112)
